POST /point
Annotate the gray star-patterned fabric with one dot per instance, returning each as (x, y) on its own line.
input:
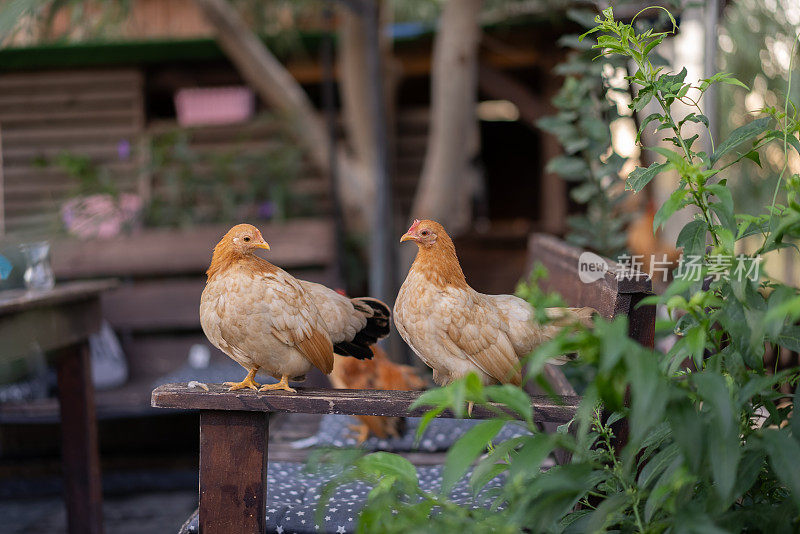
(441, 433)
(292, 496)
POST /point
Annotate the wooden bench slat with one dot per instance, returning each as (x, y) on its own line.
(295, 243)
(337, 401)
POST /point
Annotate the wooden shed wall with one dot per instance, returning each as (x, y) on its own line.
(91, 113)
(45, 113)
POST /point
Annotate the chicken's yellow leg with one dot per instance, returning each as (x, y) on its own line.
(361, 432)
(283, 384)
(248, 381)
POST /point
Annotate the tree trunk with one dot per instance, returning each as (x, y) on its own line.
(276, 86)
(448, 176)
(354, 88)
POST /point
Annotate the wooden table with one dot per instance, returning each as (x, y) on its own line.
(58, 322)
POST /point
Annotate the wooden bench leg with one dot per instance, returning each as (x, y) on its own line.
(82, 481)
(233, 472)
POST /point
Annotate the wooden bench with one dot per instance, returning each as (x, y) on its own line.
(234, 426)
(59, 322)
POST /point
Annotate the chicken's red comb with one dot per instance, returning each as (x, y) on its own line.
(413, 226)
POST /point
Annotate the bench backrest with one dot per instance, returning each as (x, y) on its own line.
(163, 275)
(610, 295)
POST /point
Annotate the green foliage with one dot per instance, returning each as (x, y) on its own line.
(712, 444)
(589, 162)
(192, 187)
(755, 40)
(91, 179)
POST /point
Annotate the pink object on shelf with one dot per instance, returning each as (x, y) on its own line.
(214, 105)
(101, 215)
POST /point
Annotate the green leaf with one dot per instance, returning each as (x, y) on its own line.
(723, 208)
(781, 136)
(640, 177)
(387, 464)
(790, 338)
(689, 432)
(794, 423)
(739, 136)
(733, 81)
(486, 470)
(429, 416)
(648, 395)
(513, 397)
(673, 204)
(466, 450)
(693, 238)
(783, 453)
(696, 342)
(433, 397)
(647, 120)
(657, 465)
(677, 161)
(724, 453)
(749, 468)
(607, 512)
(652, 44)
(529, 458)
(568, 167)
(754, 156)
(662, 490)
(642, 99)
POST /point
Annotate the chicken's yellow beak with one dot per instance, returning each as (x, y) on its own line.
(407, 237)
(263, 245)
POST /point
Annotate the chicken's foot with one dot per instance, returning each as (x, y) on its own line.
(248, 381)
(361, 432)
(470, 404)
(283, 384)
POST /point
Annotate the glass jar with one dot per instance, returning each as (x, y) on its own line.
(38, 271)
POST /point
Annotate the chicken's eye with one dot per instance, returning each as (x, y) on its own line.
(424, 233)
(246, 239)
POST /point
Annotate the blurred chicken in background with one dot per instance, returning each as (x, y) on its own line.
(378, 373)
(654, 253)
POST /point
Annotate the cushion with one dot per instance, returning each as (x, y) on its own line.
(440, 434)
(292, 496)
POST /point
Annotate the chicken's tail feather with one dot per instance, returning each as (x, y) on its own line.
(377, 327)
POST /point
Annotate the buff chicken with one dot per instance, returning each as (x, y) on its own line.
(378, 373)
(454, 329)
(264, 318)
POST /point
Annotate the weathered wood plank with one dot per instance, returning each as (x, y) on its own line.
(48, 79)
(295, 243)
(70, 117)
(17, 300)
(562, 262)
(171, 303)
(233, 472)
(66, 136)
(338, 401)
(46, 320)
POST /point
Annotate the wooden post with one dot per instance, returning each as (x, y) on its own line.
(553, 202)
(233, 472)
(2, 192)
(82, 482)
